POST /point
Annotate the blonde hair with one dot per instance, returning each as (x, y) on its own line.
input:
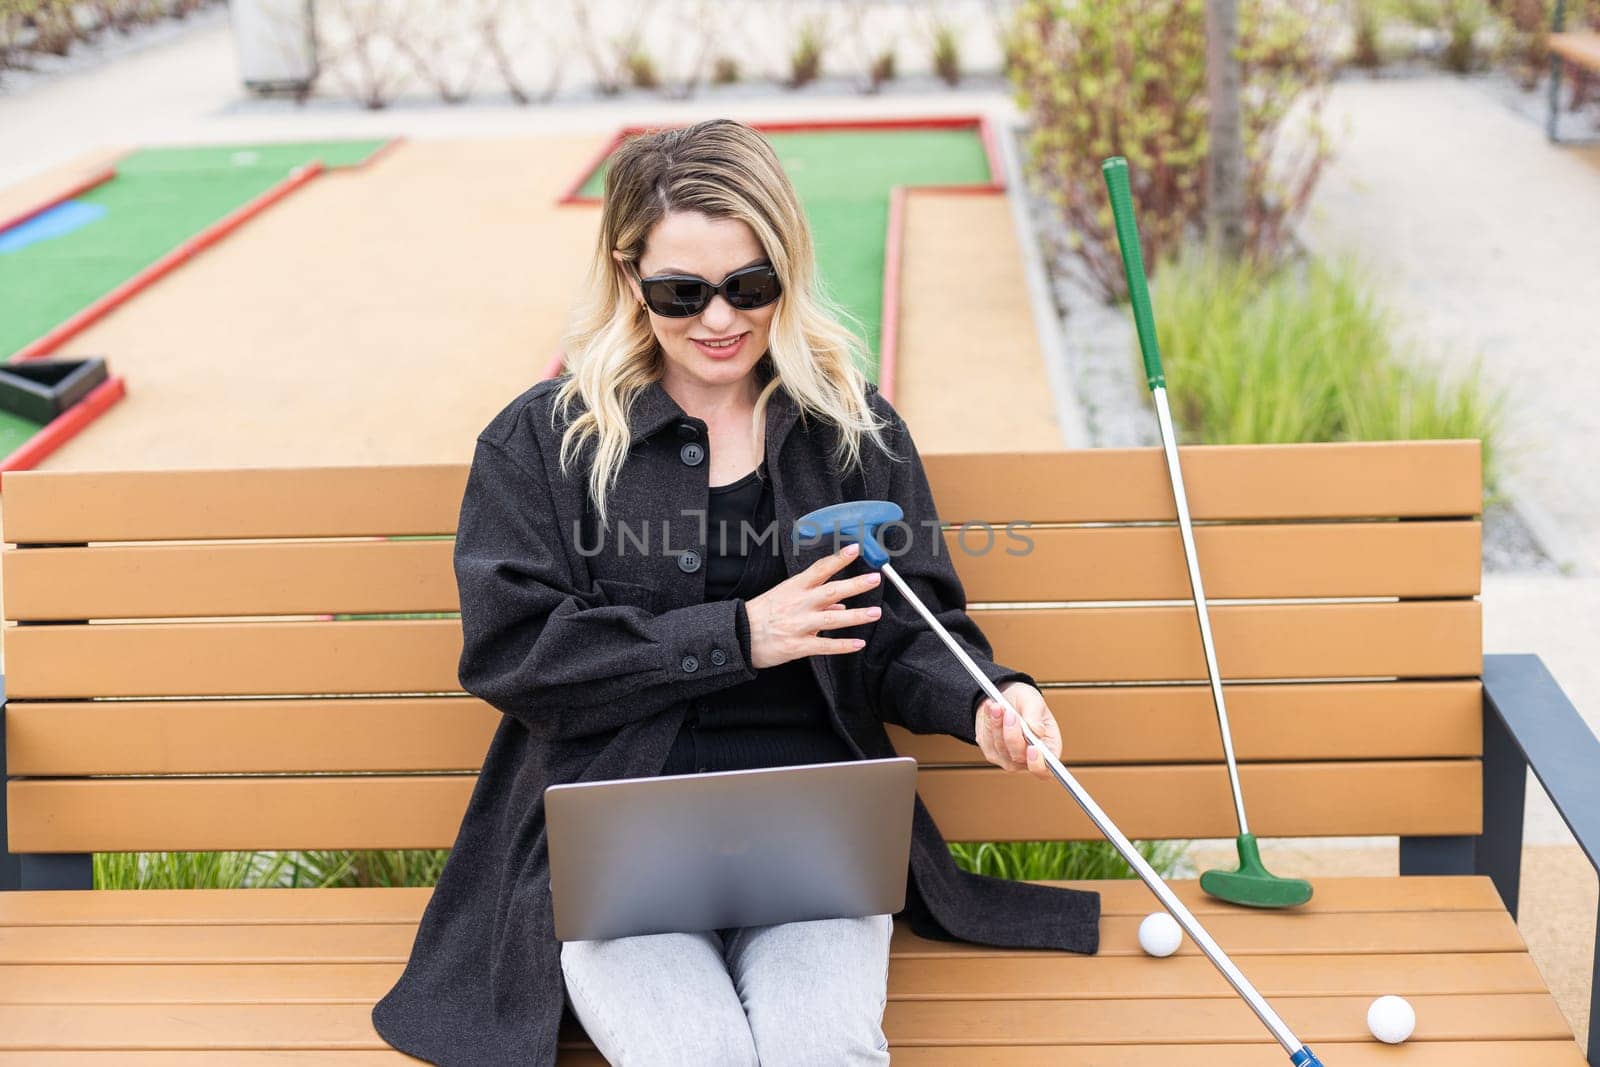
(726, 170)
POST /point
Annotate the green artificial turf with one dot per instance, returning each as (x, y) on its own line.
(159, 198)
(843, 178)
(14, 431)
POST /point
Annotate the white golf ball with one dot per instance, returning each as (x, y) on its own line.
(1160, 934)
(1391, 1019)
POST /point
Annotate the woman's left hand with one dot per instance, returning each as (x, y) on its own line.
(1000, 737)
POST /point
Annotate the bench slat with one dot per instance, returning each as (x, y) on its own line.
(1578, 47)
(1123, 724)
(977, 803)
(405, 904)
(1368, 1053)
(1336, 721)
(1405, 797)
(1511, 1016)
(1352, 1054)
(1346, 479)
(1347, 1054)
(182, 505)
(1242, 933)
(1409, 559)
(1050, 976)
(1407, 639)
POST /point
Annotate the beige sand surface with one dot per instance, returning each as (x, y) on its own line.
(379, 315)
(383, 315)
(971, 375)
(48, 184)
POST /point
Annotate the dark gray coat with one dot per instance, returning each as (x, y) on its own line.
(593, 659)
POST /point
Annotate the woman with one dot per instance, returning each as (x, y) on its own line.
(623, 634)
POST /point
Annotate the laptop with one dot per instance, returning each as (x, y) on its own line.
(730, 848)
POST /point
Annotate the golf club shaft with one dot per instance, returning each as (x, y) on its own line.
(1169, 444)
(1197, 933)
(1115, 170)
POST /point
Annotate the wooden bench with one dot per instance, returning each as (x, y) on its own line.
(1344, 577)
(1578, 49)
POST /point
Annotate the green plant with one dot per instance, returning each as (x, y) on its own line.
(882, 70)
(1061, 859)
(1460, 21)
(1129, 79)
(55, 27)
(642, 70)
(1367, 18)
(1524, 45)
(267, 870)
(724, 70)
(805, 59)
(947, 54)
(1305, 352)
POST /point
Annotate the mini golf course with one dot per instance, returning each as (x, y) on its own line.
(72, 259)
(390, 306)
(847, 176)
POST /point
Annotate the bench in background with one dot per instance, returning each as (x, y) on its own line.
(1578, 49)
(1344, 578)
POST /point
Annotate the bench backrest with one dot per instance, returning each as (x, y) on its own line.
(190, 667)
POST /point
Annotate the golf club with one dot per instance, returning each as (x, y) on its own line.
(857, 520)
(1251, 884)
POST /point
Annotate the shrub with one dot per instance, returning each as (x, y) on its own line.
(1061, 859)
(1366, 25)
(724, 70)
(1304, 353)
(882, 70)
(268, 870)
(947, 54)
(642, 70)
(805, 59)
(1461, 22)
(1130, 79)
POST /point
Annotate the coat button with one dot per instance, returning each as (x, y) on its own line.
(690, 664)
(688, 432)
(718, 657)
(688, 561)
(692, 453)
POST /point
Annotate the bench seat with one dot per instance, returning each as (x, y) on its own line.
(1578, 47)
(163, 975)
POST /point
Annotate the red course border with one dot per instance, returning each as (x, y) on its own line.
(889, 336)
(99, 177)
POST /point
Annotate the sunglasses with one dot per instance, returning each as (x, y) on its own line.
(678, 296)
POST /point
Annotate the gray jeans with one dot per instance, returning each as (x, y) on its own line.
(791, 993)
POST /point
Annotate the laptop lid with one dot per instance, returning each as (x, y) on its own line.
(730, 848)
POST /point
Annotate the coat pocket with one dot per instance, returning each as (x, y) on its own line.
(619, 593)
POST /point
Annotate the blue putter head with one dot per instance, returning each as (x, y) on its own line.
(1305, 1058)
(854, 520)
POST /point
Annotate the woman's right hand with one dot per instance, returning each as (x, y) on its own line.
(785, 619)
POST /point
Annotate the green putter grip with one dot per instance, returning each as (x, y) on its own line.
(1115, 170)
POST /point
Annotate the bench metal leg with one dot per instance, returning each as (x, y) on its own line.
(1505, 791)
(1553, 115)
(58, 870)
(1437, 855)
(10, 865)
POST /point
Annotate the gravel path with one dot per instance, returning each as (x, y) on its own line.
(1487, 238)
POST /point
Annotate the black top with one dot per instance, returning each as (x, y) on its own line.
(780, 717)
